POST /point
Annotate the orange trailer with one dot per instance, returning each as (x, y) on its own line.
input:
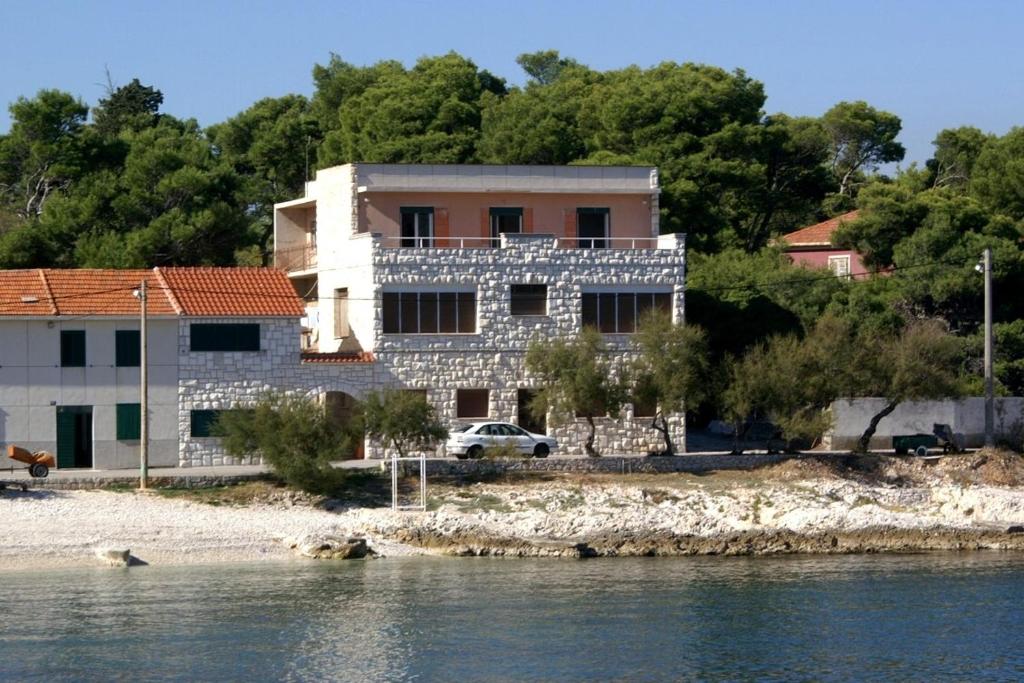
(39, 463)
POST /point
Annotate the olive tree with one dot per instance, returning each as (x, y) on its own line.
(575, 381)
(671, 369)
(402, 420)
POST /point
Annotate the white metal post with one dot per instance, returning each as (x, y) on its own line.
(144, 392)
(989, 384)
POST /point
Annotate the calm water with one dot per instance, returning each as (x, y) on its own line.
(925, 617)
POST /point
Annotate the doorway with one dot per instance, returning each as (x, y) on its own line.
(341, 409)
(527, 420)
(74, 437)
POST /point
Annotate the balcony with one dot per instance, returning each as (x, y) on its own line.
(505, 239)
(296, 259)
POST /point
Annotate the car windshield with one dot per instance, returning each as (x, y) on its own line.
(460, 428)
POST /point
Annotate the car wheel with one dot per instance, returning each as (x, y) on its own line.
(475, 452)
(541, 451)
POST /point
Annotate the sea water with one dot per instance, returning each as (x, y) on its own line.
(926, 617)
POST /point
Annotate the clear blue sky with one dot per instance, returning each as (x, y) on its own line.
(936, 64)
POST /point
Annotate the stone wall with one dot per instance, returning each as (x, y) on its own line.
(610, 465)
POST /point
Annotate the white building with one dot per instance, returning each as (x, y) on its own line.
(444, 274)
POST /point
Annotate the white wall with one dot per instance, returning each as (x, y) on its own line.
(33, 385)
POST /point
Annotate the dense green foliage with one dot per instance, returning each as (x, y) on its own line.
(295, 436)
(136, 186)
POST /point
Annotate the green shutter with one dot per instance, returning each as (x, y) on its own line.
(128, 347)
(65, 438)
(203, 421)
(224, 336)
(72, 348)
(129, 421)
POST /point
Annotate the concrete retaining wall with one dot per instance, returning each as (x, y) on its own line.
(82, 483)
(966, 417)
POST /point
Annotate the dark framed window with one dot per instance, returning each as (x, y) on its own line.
(429, 312)
(127, 348)
(643, 409)
(593, 227)
(72, 348)
(203, 422)
(129, 421)
(472, 402)
(224, 336)
(417, 226)
(619, 312)
(529, 300)
(505, 219)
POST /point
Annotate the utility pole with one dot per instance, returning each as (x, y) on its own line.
(144, 391)
(989, 389)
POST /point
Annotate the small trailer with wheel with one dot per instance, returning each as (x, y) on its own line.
(39, 463)
(942, 435)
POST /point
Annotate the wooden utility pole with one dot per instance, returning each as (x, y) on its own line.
(144, 392)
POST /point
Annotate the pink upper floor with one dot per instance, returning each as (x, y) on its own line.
(467, 214)
(826, 257)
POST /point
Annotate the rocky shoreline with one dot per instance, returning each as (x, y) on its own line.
(880, 505)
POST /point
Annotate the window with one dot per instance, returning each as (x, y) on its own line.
(618, 312)
(225, 336)
(592, 226)
(72, 348)
(417, 226)
(529, 300)
(505, 219)
(429, 312)
(644, 409)
(203, 422)
(840, 265)
(341, 329)
(129, 421)
(471, 402)
(127, 348)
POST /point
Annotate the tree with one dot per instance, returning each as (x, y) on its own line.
(575, 381)
(544, 66)
(402, 419)
(671, 370)
(888, 214)
(130, 107)
(272, 147)
(956, 152)
(43, 152)
(997, 177)
(920, 364)
(295, 436)
(862, 138)
(428, 114)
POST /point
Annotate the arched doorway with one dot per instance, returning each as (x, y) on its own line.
(341, 408)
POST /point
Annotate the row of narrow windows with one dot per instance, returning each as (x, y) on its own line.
(592, 225)
(128, 345)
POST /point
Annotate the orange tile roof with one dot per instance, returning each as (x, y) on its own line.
(228, 292)
(105, 292)
(342, 357)
(261, 292)
(819, 234)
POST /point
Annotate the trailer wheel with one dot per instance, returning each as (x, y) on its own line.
(38, 470)
(921, 451)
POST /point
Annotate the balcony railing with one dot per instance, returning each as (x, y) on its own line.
(295, 259)
(490, 243)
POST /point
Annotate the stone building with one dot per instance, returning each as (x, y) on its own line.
(444, 274)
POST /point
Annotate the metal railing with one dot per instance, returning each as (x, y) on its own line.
(296, 258)
(491, 243)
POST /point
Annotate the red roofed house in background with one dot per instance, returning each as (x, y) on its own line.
(812, 247)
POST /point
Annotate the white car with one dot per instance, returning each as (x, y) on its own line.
(470, 440)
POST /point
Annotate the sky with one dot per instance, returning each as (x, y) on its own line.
(936, 64)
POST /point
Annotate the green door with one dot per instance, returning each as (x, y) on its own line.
(74, 436)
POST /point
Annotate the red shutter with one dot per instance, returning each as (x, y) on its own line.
(441, 228)
(528, 219)
(485, 227)
(570, 227)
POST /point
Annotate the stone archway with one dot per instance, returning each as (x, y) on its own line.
(341, 407)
